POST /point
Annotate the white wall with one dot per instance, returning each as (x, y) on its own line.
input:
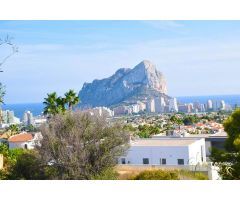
(136, 155)
(197, 152)
(13, 145)
(208, 148)
(191, 154)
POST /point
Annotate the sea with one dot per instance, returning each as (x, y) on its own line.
(19, 109)
(37, 108)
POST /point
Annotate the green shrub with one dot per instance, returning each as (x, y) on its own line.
(108, 174)
(27, 167)
(189, 175)
(201, 176)
(157, 175)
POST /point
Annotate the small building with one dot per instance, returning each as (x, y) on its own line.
(24, 140)
(165, 151)
(216, 140)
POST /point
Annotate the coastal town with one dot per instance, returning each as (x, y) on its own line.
(163, 132)
(126, 126)
(173, 139)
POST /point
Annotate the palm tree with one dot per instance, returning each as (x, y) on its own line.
(53, 104)
(14, 129)
(71, 99)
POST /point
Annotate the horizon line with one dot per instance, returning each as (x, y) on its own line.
(215, 95)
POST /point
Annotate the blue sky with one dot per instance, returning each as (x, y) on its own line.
(197, 57)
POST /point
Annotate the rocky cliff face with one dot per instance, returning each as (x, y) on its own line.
(125, 85)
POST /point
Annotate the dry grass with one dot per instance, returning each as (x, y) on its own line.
(129, 172)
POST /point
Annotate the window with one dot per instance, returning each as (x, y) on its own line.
(202, 152)
(145, 161)
(180, 161)
(123, 161)
(164, 161)
(25, 146)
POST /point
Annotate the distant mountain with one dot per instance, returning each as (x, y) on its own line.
(125, 86)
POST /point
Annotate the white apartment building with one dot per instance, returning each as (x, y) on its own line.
(159, 104)
(135, 108)
(142, 106)
(103, 111)
(122, 110)
(151, 105)
(185, 108)
(209, 104)
(28, 118)
(167, 151)
(8, 118)
(222, 105)
(173, 107)
(202, 108)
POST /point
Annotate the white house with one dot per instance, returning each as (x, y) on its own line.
(24, 140)
(166, 151)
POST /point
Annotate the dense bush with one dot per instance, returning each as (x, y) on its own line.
(190, 175)
(168, 175)
(157, 175)
(75, 146)
(21, 164)
(27, 167)
(108, 174)
(80, 146)
(228, 160)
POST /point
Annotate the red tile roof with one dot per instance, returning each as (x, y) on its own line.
(24, 137)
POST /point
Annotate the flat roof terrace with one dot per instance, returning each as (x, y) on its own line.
(179, 142)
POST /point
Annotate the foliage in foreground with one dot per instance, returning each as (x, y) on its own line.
(22, 164)
(75, 146)
(80, 146)
(157, 175)
(108, 174)
(228, 160)
(9, 159)
(160, 174)
(190, 175)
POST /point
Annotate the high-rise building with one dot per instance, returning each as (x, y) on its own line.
(103, 111)
(185, 108)
(8, 117)
(159, 104)
(215, 105)
(202, 108)
(197, 106)
(122, 110)
(222, 105)
(28, 118)
(209, 105)
(135, 108)
(151, 105)
(173, 107)
(142, 106)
